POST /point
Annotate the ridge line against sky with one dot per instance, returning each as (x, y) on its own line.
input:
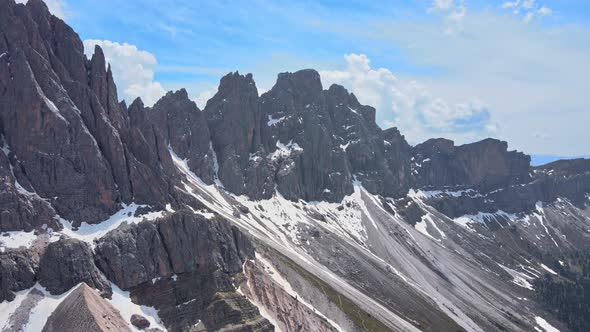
(461, 69)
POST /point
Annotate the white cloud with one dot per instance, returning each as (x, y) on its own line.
(530, 9)
(528, 4)
(454, 13)
(544, 11)
(133, 70)
(510, 4)
(56, 7)
(442, 4)
(532, 78)
(409, 105)
(204, 96)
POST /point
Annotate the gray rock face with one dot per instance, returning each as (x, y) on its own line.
(179, 243)
(182, 265)
(233, 117)
(485, 165)
(356, 132)
(563, 179)
(140, 322)
(20, 209)
(330, 138)
(84, 310)
(185, 129)
(72, 143)
(18, 270)
(398, 153)
(67, 263)
(41, 124)
(298, 133)
(151, 169)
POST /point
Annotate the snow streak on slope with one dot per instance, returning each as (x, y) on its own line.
(122, 302)
(545, 326)
(271, 234)
(426, 261)
(276, 276)
(539, 207)
(90, 232)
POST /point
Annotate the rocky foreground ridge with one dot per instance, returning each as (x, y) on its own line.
(290, 210)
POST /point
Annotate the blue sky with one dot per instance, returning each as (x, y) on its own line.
(464, 69)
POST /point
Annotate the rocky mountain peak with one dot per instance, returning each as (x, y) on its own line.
(233, 117)
(301, 80)
(178, 95)
(236, 83)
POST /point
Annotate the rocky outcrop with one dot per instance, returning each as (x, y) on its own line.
(44, 128)
(563, 179)
(234, 120)
(20, 209)
(398, 154)
(84, 310)
(139, 321)
(18, 269)
(183, 265)
(357, 134)
(185, 130)
(298, 135)
(67, 263)
(485, 165)
(226, 309)
(151, 170)
(182, 242)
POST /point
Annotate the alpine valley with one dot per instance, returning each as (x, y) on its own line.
(286, 211)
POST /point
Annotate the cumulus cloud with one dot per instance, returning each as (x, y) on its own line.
(529, 9)
(56, 7)
(442, 4)
(133, 70)
(454, 12)
(409, 105)
(528, 75)
(204, 96)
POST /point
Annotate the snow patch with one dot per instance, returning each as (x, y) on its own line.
(548, 269)
(7, 308)
(484, 218)
(285, 150)
(541, 211)
(122, 302)
(519, 278)
(16, 239)
(353, 110)
(413, 193)
(183, 163)
(271, 122)
(545, 326)
(90, 232)
(44, 308)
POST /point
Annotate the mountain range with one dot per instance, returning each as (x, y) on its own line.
(286, 211)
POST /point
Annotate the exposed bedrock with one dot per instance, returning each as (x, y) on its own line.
(183, 265)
